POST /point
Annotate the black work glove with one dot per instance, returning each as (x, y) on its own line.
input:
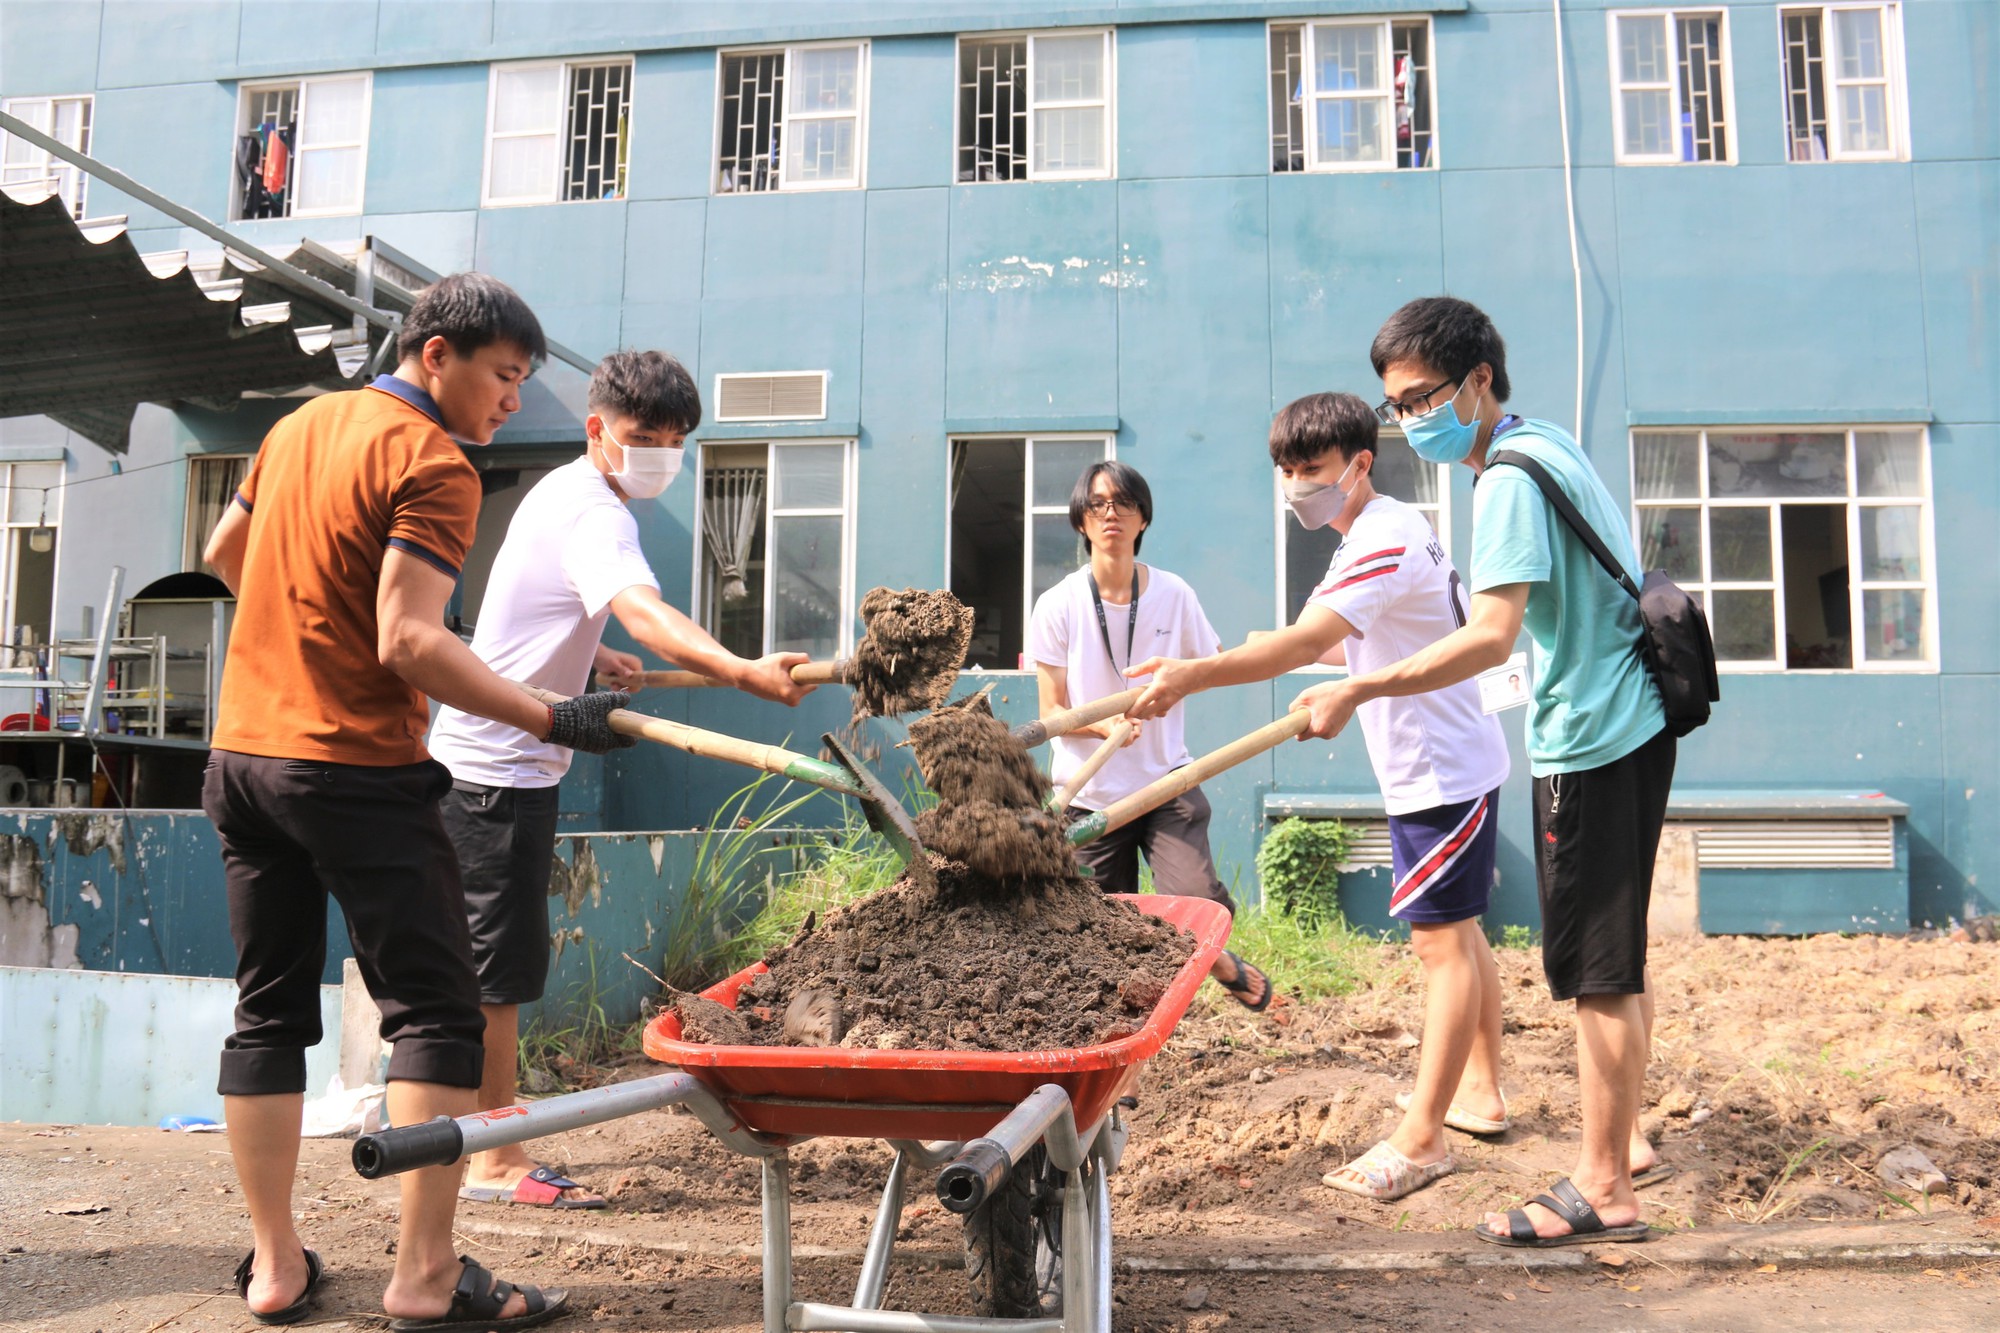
(583, 723)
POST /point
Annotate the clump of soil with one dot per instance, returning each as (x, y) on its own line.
(989, 814)
(912, 650)
(947, 964)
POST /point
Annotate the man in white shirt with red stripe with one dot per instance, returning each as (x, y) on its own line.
(1439, 758)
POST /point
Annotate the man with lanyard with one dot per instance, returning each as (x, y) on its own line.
(1598, 744)
(1074, 637)
(343, 547)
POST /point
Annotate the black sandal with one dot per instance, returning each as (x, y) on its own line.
(479, 1298)
(1567, 1202)
(1242, 988)
(292, 1313)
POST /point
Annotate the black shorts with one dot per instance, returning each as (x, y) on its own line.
(1174, 837)
(506, 843)
(1596, 835)
(295, 831)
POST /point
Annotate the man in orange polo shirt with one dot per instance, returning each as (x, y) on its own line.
(343, 547)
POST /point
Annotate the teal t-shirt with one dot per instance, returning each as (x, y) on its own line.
(1593, 700)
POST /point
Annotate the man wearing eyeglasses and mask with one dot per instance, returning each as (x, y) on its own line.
(571, 560)
(1598, 743)
(1084, 633)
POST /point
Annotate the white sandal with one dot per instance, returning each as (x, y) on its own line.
(1458, 1118)
(1384, 1173)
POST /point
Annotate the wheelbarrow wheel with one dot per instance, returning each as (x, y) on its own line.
(1013, 1244)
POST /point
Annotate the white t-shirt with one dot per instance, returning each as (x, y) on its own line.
(572, 547)
(1064, 633)
(1392, 582)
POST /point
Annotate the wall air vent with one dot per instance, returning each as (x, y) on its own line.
(795, 395)
(1831, 844)
(1370, 848)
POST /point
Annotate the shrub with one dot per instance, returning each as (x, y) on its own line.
(1298, 867)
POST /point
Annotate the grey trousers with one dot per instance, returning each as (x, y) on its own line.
(1174, 838)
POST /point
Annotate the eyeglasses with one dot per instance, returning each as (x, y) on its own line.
(1106, 508)
(1389, 411)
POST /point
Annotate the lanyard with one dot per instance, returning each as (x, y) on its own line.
(1104, 626)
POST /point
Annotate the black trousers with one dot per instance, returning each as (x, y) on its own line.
(294, 832)
(1174, 837)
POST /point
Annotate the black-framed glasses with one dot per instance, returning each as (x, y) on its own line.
(1106, 508)
(1389, 411)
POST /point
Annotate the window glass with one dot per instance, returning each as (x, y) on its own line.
(805, 585)
(1670, 539)
(1058, 552)
(809, 476)
(1058, 464)
(525, 101)
(1888, 463)
(1743, 626)
(1740, 545)
(1892, 543)
(1894, 629)
(1666, 466)
(825, 79)
(1069, 69)
(1777, 464)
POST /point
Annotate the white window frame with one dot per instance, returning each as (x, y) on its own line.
(1677, 107)
(193, 538)
(557, 132)
(1029, 511)
(47, 512)
(245, 91)
(1312, 97)
(1285, 524)
(1895, 80)
(1109, 102)
(1853, 502)
(863, 74)
(849, 485)
(23, 163)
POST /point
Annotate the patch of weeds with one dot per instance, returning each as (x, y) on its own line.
(732, 877)
(840, 869)
(557, 1054)
(1311, 960)
(1518, 936)
(1298, 865)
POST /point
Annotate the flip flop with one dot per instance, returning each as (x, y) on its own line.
(1240, 987)
(478, 1299)
(1386, 1174)
(1658, 1173)
(542, 1187)
(292, 1313)
(1568, 1203)
(1461, 1119)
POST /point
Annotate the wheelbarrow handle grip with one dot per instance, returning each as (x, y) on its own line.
(1066, 720)
(1122, 812)
(438, 1142)
(805, 673)
(1113, 742)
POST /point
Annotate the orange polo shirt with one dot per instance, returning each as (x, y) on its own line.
(335, 485)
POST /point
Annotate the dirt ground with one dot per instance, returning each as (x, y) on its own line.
(1783, 1073)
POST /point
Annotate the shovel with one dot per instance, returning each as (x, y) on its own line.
(1066, 720)
(1159, 792)
(1060, 798)
(850, 777)
(805, 673)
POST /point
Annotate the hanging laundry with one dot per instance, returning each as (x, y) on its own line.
(277, 157)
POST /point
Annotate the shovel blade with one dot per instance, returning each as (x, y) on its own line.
(879, 806)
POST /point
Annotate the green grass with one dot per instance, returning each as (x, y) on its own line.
(555, 1055)
(1312, 961)
(842, 868)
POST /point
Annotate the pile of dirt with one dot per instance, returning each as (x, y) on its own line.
(942, 962)
(909, 657)
(990, 813)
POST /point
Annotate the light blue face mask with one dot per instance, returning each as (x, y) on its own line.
(1438, 436)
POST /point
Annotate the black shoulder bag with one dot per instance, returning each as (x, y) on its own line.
(1675, 643)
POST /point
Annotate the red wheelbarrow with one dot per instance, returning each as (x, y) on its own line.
(1026, 1142)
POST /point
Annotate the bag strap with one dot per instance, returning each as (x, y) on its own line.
(1562, 505)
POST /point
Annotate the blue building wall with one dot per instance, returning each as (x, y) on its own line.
(1183, 302)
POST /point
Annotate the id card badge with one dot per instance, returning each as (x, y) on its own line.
(1505, 686)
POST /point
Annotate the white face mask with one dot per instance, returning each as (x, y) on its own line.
(1316, 503)
(645, 473)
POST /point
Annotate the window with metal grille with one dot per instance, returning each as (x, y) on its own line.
(33, 513)
(792, 119)
(777, 535)
(24, 166)
(1034, 106)
(1670, 86)
(302, 147)
(1305, 554)
(1812, 548)
(557, 131)
(1844, 89)
(1010, 538)
(1352, 95)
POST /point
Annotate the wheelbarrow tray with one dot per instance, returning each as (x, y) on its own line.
(812, 1092)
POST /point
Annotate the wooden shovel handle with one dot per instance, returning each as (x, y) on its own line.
(1077, 781)
(694, 740)
(805, 673)
(1066, 720)
(1271, 735)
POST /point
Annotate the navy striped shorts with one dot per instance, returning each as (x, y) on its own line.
(1443, 860)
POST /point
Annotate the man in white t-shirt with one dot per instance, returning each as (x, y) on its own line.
(571, 560)
(1085, 631)
(1439, 758)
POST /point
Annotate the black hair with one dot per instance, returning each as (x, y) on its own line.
(651, 388)
(1451, 336)
(1307, 427)
(470, 311)
(1126, 485)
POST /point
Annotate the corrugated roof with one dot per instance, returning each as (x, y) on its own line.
(90, 328)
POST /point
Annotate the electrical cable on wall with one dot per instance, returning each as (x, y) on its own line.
(1569, 213)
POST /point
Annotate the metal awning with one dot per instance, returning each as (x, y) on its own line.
(90, 328)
